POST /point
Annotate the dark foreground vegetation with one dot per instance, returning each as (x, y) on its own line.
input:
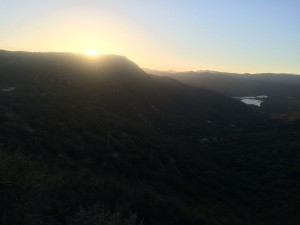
(98, 142)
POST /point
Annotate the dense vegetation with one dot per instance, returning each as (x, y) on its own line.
(98, 141)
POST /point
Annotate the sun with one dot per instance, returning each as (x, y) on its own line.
(91, 52)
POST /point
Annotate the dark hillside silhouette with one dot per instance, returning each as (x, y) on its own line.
(283, 90)
(100, 141)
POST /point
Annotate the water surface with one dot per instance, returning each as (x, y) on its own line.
(252, 100)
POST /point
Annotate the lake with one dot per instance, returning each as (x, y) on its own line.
(252, 100)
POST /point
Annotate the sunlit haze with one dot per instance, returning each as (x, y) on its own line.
(223, 35)
(91, 52)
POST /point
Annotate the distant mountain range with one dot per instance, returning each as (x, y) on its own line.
(235, 84)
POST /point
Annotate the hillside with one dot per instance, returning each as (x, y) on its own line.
(89, 139)
(116, 86)
(234, 84)
(282, 89)
(289, 117)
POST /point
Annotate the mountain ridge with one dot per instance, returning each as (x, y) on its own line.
(136, 87)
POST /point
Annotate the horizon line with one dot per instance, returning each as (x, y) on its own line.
(146, 68)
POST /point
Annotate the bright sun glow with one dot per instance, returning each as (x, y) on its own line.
(91, 52)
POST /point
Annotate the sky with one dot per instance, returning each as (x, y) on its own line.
(221, 35)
